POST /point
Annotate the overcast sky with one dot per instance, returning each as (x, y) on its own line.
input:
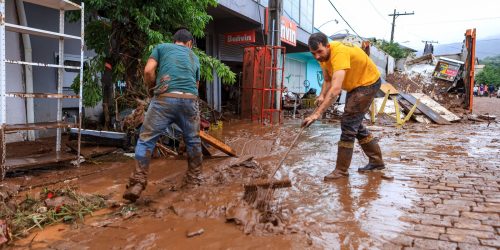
(439, 20)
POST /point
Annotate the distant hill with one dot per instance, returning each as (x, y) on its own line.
(484, 48)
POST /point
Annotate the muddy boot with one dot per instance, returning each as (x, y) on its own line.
(344, 156)
(372, 150)
(193, 176)
(137, 183)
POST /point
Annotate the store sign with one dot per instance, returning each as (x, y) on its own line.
(288, 31)
(240, 37)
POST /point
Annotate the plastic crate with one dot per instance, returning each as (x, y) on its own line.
(308, 103)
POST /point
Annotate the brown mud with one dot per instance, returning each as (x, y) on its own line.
(364, 211)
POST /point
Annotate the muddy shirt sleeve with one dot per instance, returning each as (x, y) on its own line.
(155, 54)
(341, 60)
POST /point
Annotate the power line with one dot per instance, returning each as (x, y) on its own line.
(344, 19)
(378, 12)
(454, 21)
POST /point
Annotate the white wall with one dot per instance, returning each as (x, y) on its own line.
(16, 111)
(382, 59)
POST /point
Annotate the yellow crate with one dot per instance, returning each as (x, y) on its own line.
(308, 103)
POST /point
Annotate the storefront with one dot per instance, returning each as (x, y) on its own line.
(238, 24)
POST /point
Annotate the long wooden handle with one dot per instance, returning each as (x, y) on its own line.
(287, 152)
(289, 149)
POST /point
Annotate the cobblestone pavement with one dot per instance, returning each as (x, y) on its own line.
(459, 196)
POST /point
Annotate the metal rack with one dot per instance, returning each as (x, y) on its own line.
(262, 83)
(58, 156)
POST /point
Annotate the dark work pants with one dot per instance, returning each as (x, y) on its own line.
(358, 102)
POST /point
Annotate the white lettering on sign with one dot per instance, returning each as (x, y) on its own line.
(239, 38)
(288, 31)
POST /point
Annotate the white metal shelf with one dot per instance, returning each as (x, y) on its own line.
(56, 4)
(59, 124)
(41, 95)
(38, 126)
(42, 64)
(37, 32)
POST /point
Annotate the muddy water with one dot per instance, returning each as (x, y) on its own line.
(360, 212)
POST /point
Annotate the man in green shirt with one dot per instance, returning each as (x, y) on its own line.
(175, 100)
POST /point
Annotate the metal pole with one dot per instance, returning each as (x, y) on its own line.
(80, 101)
(3, 114)
(60, 79)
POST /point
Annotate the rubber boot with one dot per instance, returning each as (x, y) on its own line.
(344, 157)
(372, 150)
(137, 182)
(193, 177)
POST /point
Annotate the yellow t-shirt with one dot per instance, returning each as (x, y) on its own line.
(360, 69)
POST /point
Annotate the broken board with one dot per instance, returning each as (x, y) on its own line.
(433, 115)
(385, 87)
(428, 101)
(216, 143)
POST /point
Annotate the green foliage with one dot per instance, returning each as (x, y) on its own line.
(208, 64)
(491, 72)
(123, 33)
(92, 91)
(393, 49)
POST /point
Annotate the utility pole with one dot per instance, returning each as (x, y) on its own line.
(275, 11)
(396, 14)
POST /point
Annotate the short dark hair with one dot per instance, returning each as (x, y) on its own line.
(317, 38)
(183, 35)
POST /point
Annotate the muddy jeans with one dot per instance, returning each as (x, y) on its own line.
(358, 102)
(162, 112)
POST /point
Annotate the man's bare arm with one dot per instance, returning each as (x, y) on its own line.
(150, 73)
(327, 81)
(333, 91)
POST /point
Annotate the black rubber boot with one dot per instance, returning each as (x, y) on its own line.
(344, 156)
(372, 150)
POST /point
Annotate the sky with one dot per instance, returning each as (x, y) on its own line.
(444, 21)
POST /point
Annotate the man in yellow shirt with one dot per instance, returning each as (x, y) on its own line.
(349, 68)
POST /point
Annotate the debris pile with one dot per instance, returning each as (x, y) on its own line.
(52, 206)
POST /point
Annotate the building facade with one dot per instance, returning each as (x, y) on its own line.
(237, 24)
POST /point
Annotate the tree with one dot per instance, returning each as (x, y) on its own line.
(123, 32)
(491, 72)
(393, 49)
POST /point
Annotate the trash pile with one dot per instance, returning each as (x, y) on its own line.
(428, 90)
(50, 207)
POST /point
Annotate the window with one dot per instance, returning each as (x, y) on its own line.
(292, 9)
(306, 15)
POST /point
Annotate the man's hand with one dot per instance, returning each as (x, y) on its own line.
(320, 99)
(309, 120)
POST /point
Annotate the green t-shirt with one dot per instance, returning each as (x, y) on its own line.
(178, 69)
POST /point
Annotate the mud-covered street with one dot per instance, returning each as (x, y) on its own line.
(440, 190)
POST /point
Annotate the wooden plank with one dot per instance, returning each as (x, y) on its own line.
(385, 87)
(435, 117)
(407, 106)
(217, 144)
(445, 113)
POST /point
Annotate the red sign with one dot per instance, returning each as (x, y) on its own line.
(288, 31)
(240, 37)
